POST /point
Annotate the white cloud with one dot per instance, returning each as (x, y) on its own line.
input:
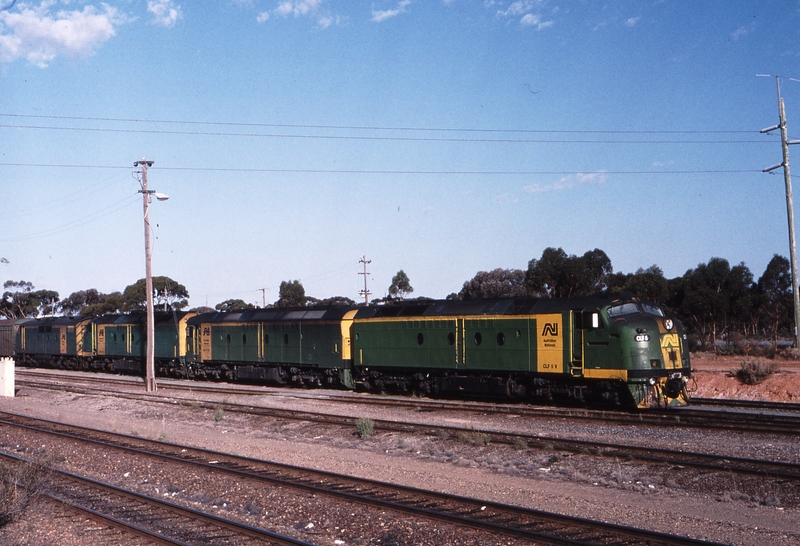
(165, 12)
(569, 182)
(37, 35)
(298, 7)
(264, 16)
(523, 8)
(658, 164)
(382, 15)
(531, 20)
(504, 199)
(743, 31)
(305, 8)
(631, 21)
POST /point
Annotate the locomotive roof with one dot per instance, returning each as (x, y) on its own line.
(51, 321)
(509, 306)
(140, 317)
(335, 312)
(416, 308)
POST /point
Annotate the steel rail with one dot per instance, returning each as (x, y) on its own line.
(89, 487)
(787, 470)
(775, 469)
(494, 517)
(754, 404)
(683, 417)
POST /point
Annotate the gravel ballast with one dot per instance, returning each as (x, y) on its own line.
(720, 508)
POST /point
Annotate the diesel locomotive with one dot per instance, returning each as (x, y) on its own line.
(612, 349)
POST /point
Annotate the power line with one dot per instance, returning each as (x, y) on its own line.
(389, 172)
(376, 128)
(379, 138)
(74, 195)
(119, 205)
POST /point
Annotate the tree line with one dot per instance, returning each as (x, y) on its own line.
(715, 301)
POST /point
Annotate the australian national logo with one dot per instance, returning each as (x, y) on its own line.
(550, 329)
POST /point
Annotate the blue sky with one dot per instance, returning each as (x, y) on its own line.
(441, 137)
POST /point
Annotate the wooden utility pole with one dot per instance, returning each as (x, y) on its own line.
(150, 367)
(787, 180)
(366, 293)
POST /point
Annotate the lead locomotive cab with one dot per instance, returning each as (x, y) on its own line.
(653, 352)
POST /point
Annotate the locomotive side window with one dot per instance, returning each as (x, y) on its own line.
(451, 338)
(501, 338)
(478, 338)
(652, 309)
(244, 339)
(420, 338)
(588, 320)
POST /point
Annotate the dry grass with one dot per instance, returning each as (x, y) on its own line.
(20, 484)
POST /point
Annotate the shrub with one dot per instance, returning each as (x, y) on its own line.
(753, 371)
(474, 438)
(218, 414)
(364, 427)
(791, 353)
(19, 485)
(766, 351)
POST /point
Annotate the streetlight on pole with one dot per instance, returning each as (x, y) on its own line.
(787, 179)
(150, 366)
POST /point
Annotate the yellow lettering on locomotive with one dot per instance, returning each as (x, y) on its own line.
(205, 342)
(549, 344)
(671, 350)
(101, 340)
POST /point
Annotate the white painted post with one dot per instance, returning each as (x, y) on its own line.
(7, 377)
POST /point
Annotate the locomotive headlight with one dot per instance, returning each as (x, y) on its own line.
(668, 324)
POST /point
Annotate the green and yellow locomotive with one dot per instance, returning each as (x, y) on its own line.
(618, 350)
(604, 349)
(111, 343)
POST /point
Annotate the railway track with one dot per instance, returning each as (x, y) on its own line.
(155, 520)
(499, 519)
(750, 404)
(774, 418)
(705, 461)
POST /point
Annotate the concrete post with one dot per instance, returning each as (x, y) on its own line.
(7, 377)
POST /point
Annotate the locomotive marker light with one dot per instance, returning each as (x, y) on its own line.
(150, 381)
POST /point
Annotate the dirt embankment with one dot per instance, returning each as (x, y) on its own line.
(715, 378)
